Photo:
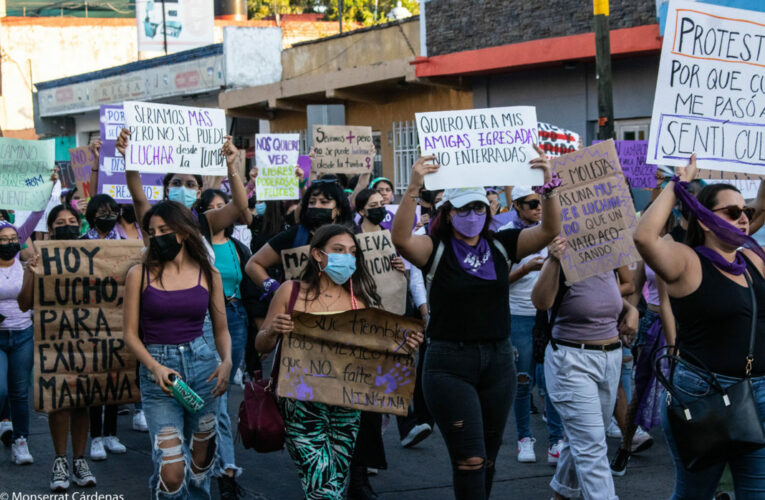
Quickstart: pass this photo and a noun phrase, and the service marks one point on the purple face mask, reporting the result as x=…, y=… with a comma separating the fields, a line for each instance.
x=470, y=225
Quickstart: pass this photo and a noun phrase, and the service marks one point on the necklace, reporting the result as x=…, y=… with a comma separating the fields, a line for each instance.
x=7, y=271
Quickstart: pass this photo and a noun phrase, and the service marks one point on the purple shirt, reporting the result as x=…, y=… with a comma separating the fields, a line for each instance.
x=590, y=310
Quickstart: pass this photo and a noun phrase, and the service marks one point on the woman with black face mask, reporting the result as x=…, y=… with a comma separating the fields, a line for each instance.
x=63, y=224
x=127, y=225
x=324, y=202
x=102, y=215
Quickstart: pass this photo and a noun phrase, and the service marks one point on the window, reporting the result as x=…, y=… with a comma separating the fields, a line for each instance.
x=632, y=130
x=405, y=153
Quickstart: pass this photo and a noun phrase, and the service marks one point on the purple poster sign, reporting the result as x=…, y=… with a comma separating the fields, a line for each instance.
x=111, y=175
x=632, y=156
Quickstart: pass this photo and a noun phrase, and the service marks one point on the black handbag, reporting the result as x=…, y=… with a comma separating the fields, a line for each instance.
x=720, y=425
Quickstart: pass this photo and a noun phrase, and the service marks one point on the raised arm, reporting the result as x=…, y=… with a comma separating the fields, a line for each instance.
x=133, y=179
x=415, y=248
x=360, y=186
x=669, y=259
x=546, y=288
x=223, y=217
x=535, y=238
x=95, y=148
x=256, y=267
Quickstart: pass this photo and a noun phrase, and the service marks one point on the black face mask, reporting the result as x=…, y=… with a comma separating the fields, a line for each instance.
x=9, y=250
x=128, y=213
x=376, y=215
x=317, y=217
x=66, y=232
x=105, y=224
x=164, y=247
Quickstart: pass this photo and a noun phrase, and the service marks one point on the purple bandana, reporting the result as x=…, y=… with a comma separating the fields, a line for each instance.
x=725, y=232
x=477, y=261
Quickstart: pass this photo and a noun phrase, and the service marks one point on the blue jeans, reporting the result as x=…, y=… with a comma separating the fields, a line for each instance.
x=236, y=317
x=16, y=362
x=523, y=348
x=626, y=376
x=554, y=424
x=748, y=470
x=174, y=431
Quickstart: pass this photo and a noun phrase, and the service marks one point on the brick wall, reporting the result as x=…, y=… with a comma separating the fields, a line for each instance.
x=457, y=25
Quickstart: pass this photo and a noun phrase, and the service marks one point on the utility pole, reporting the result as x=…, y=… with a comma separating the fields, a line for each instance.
x=340, y=13
x=164, y=27
x=603, y=70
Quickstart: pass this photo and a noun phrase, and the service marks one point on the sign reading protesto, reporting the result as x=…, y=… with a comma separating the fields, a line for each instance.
x=180, y=139
x=82, y=162
x=710, y=93
x=597, y=213
x=480, y=147
x=276, y=156
x=342, y=149
x=379, y=252
x=25, y=171
x=80, y=355
x=356, y=359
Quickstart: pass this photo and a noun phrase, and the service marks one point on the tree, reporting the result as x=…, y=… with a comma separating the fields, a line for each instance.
x=366, y=12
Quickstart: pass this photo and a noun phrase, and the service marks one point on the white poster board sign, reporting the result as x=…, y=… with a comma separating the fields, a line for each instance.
x=276, y=156
x=480, y=147
x=710, y=93
x=180, y=139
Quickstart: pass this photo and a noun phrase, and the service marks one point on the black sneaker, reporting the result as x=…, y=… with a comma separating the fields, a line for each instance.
x=82, y=474
x=229, y=489
x=619, y=462
x=59, y=476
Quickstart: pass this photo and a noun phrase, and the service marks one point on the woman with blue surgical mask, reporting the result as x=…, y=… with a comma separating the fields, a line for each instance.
x=320, y=438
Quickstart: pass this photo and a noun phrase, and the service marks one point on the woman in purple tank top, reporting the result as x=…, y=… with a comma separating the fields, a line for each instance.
x=166, y=299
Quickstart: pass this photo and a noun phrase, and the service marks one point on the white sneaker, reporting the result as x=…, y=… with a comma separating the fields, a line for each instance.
x=526, y=453
x=641, y=441
x=97, y=451
x=20, y=452
x=139, y=421
x=238, y=376
x=553, y=452
x=113, y=445
x=613, y=430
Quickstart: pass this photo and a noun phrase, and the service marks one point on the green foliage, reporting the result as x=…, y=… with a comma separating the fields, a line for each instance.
x=354, y=11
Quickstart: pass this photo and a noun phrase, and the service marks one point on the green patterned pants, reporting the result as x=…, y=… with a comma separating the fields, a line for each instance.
x=320, y=439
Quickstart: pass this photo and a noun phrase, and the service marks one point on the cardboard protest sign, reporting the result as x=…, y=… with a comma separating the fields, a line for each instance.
x=342, y=149
x=706, y=174
x=710, y=93
x=111, y=164
x=166, y=138
x=82, y=161
x=632, y=154
x=80, y=356
x=597, y=213
x=42, y=226
x=294, y=261
x=276, y=156
x=480, y=147
x=356, y=359
x=556, y=141
x=25, y=171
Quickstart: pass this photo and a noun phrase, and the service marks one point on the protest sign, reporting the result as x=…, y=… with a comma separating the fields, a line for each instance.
x=82, y=161
x=181, y=139
x=356, y=359
x=747, y=187
x=710, y=93
x=276, y=156
x=342, y=149
x=632, y=156
x=597, y=214
x=25, y=171
x=480, y=147
x=81, y=358
x=556, y=141
x=111, y=164
x=379, y=252
x=42, y=226
x=706, y=174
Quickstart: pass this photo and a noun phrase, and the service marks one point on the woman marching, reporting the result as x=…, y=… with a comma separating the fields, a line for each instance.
x=166, y=299
x=469, y=373
x=320, y=438
x=708, y=281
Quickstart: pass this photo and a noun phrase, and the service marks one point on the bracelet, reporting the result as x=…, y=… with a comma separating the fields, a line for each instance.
x=548, y=195
x=549, y=186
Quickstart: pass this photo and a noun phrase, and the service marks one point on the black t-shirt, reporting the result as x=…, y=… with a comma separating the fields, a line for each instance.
x=465, y=308
x=285, y=240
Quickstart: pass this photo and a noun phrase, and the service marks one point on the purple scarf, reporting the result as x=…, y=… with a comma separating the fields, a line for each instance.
x=725, y=232
x=477, y=261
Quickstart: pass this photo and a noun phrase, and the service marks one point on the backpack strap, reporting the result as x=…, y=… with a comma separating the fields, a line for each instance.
x=501, y=248
x=432, y=271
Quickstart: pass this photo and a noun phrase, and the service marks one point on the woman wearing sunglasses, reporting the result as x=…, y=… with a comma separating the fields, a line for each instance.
x=707, y=285
x=469, y=372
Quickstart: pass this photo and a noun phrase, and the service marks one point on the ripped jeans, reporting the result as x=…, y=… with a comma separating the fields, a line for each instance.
x=184, y=443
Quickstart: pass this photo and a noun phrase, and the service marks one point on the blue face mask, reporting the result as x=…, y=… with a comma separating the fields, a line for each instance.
x=260, y=208
x=340, y=266
x=182, y=195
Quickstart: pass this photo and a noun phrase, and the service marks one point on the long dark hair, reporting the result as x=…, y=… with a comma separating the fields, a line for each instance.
x=202, y=205
x=708, y=198
x=363, y=284
x=362, y=198
x=332, y=191
x=441, y=226
x=168, y=177
x=97, y=202
x=55, y=211
x=180, y=219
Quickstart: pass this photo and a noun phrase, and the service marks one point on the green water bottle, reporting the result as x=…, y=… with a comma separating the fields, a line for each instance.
x=184, y=395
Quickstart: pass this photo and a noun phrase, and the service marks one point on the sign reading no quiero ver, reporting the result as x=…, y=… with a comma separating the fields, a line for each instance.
x=480, y=147
x=710, y=93
x=179, y=139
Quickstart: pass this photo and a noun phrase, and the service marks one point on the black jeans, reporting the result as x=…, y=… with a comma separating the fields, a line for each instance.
x=109, y=427
x=418, y=410
x=469, y=388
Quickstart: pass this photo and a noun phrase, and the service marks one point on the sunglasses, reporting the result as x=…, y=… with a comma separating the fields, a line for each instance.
x=734, y=213
x=478, y=208
x=532, y=204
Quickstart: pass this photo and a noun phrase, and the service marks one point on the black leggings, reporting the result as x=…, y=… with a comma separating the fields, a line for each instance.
x=109, y=427
x=469, y=389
